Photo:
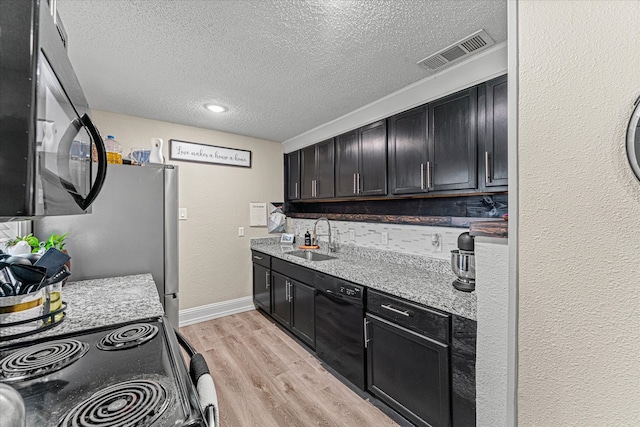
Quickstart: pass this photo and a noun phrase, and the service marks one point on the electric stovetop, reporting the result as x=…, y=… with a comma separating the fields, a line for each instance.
x=131, y=374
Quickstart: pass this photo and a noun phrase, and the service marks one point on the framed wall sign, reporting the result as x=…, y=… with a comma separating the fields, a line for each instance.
x=203, y=153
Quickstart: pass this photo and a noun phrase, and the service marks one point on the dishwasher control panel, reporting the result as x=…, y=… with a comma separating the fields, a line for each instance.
x=349, y=290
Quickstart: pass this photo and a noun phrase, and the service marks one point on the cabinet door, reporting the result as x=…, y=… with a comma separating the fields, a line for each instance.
x=303, y=312
x=372, y=178
x=262, y=287
x=324, y=169
x=409, y=372
x=281, y=305
x=453, y=142
x=408, y=151
x=317, y=170
x=292, y=171
x=346, y=163
x=495, y=136
x=307, y=171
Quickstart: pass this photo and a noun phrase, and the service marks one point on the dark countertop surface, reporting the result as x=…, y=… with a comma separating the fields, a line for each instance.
x=419, y=279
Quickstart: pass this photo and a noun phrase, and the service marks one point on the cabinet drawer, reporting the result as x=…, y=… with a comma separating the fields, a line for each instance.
x=260, y=258
x=409, y=315
x=293, y=271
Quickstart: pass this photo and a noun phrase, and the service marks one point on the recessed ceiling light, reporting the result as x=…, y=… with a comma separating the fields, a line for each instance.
x=215, y=108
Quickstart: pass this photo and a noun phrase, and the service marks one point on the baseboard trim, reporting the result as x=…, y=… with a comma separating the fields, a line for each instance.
x=189, y=316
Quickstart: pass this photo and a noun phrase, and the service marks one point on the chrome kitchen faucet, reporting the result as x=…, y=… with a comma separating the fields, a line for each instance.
x=332, y=247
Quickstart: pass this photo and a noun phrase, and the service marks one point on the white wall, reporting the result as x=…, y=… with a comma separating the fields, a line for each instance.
x=492, y=350
x=579, y=339
x=215, y=264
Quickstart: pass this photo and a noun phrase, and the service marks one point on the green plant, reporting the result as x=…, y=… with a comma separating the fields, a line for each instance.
x=54, y=241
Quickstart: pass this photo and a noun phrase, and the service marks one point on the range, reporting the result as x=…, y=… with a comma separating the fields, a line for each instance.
x=130, y=374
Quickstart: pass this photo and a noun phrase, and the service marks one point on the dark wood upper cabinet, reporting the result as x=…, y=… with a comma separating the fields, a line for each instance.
x=372, y=178
x=317, y=175
x=455, y=145
x=346, y=163
x=494, y=139
x=361, y=161
x=292, y=175
x=408, y=151
x=453, y=142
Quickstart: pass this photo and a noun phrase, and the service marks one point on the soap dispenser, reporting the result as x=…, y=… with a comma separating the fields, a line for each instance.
x=307, y=238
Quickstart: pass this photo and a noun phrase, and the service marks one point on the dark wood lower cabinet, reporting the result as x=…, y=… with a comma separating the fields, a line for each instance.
x=281, y=306
x=409, y=372
x=261, y=280
x=293, y=306
x=262, y=287
x=420, y=360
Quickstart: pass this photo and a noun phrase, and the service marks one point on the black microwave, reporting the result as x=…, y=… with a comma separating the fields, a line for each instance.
x=52, y=158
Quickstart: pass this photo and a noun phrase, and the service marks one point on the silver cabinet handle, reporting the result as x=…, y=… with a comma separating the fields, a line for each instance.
x=358, y=185
x=257, y=257
x=487, y=177
x=290, y=294
x=366, y=335
x=354, y=184
x=395, y=310
x=286, y=290
x=428, y=175
x=422, y=176
x=267, y=282
x=296, y=196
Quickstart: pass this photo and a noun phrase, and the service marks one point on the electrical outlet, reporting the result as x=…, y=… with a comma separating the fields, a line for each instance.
x=352, y=235
x=436, y=242
x=182, y=213
x=384, y=238
x=240, y=231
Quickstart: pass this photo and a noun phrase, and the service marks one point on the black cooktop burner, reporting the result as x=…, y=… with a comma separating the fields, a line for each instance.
x=41, y=359
x=128, y=336
x=131, y=403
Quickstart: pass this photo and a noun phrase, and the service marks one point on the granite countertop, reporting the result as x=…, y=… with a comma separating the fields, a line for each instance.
x=102, y=302
x=419, y=279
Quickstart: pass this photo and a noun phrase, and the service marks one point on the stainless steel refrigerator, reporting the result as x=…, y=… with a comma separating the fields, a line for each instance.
x=132, y=229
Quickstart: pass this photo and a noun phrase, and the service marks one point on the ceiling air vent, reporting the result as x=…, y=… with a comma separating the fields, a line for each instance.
x=476, y=42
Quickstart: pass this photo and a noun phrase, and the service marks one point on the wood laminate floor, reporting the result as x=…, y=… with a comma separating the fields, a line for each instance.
x=264, y=378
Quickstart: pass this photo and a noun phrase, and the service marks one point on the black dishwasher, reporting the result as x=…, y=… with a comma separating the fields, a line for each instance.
x=340, y=327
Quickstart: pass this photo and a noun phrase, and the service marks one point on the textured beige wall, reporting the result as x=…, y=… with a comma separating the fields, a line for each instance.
x=579, y=323
x=215, y=264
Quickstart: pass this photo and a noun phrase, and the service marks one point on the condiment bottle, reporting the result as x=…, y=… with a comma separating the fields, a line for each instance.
x=114, y=150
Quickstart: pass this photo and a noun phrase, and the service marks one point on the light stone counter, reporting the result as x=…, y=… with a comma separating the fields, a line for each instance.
x=420, y=279
x=103, y=302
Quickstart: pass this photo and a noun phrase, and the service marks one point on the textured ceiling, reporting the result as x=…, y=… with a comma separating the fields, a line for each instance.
x=282, y=67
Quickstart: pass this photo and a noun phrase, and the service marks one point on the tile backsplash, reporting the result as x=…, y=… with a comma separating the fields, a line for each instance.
x=432, y=242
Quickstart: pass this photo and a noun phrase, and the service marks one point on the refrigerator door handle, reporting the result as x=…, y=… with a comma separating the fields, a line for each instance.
x=171, y=276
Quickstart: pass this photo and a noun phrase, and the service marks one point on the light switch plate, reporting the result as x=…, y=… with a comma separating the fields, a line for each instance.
x=384, y=238
x=352, y=234
x=240, y=231
x=182, y=213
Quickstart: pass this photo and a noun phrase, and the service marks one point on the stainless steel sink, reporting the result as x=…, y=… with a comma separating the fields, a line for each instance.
x=311, y=255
